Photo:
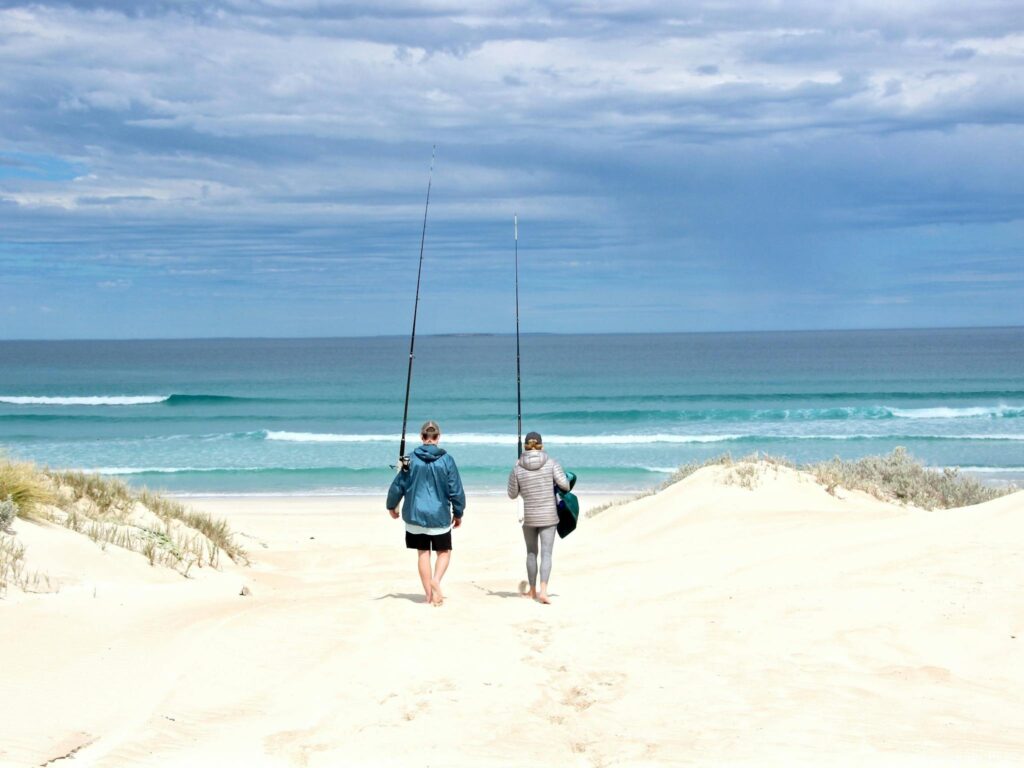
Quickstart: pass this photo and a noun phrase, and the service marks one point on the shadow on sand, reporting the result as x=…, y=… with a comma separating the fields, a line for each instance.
x=504, y=593
x=412, y=598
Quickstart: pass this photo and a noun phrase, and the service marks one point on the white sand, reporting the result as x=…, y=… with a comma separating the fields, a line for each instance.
x=708, y=625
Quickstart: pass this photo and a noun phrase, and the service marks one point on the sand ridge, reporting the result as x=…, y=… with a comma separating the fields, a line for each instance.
x=709, y=624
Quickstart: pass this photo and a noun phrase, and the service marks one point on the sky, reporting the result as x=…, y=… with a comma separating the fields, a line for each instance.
x=259, y=167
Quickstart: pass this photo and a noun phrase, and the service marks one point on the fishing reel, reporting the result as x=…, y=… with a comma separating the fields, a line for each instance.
x=403, y=459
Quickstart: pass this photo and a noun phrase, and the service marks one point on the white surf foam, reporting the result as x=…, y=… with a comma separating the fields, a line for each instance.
x=470, y=438
x=85, y=400
x=995, y=411
x=164, y=470
x=863, y=436
x=317, y=493
x=495, y=439
x=327, y=437
x=983, y=437
x=992, y=470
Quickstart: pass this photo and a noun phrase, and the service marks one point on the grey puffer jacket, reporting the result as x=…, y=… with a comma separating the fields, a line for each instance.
x=534, y=477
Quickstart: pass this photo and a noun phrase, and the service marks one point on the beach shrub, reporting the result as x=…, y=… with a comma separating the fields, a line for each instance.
x=8, y=511
x=895, y=476
x=22, y=483
x=899, y=476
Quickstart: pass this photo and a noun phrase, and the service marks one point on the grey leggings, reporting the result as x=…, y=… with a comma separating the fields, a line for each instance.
x=547, y=543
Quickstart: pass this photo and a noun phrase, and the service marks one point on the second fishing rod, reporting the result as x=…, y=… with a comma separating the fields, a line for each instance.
x=519, y=378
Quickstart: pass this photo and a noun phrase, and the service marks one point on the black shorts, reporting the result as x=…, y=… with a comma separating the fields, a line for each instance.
x=441, y=542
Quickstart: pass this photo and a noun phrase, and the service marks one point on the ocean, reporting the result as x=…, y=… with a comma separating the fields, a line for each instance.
x=323, y=416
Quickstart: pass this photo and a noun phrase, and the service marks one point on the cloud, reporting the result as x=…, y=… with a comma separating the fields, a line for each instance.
x=284, y=145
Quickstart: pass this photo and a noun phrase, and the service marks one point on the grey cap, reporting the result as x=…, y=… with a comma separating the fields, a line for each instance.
x=534, y=437
x=430, y=429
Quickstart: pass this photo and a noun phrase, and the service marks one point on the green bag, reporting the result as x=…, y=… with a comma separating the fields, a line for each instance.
x=568, y=508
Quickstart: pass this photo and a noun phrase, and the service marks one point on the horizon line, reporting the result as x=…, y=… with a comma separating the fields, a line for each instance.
x=529, y=333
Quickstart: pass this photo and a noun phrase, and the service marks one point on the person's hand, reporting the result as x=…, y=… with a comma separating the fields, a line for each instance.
x=393, y=513
x=457, y=522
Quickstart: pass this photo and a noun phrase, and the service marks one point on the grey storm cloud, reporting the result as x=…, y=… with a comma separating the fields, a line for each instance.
x=234, y=130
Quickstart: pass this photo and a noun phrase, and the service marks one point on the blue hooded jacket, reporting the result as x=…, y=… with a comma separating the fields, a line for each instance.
x=432, y=489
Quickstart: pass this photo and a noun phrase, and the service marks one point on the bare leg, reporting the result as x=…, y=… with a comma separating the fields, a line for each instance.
x=439, y=568
x=543, y=595
x=423, y=566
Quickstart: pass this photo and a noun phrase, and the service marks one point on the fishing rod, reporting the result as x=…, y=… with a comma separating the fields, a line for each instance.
x=519, y=390
x=403, y=460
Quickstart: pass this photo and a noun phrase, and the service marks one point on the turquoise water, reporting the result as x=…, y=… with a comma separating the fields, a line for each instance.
x=257, y=416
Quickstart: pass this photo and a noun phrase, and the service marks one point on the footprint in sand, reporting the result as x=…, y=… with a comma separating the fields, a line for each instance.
x=578, y=698
x=538, y=634
x=600, y=687
x=434, y=686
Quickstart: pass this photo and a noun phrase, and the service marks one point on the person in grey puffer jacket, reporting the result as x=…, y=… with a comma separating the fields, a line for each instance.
x=534, y=477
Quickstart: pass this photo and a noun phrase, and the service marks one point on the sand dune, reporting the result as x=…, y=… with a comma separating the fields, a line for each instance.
x=709, y=624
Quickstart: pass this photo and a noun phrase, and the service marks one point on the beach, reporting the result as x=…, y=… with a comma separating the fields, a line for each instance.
x=748, y=273
x=740, y=619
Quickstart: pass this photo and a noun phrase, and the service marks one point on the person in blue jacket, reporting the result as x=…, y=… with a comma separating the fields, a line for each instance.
x=434, y=503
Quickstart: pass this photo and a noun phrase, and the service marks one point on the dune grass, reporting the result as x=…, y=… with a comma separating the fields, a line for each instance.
x=896, y=476
x=217, y=531
x=12, y=561
x=23, y=484
x=110, y=496
x=111, y=514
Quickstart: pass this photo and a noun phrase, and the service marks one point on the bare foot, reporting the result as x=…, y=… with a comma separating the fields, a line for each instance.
x=436, y=596
x=543, y=598
x=525, y=591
